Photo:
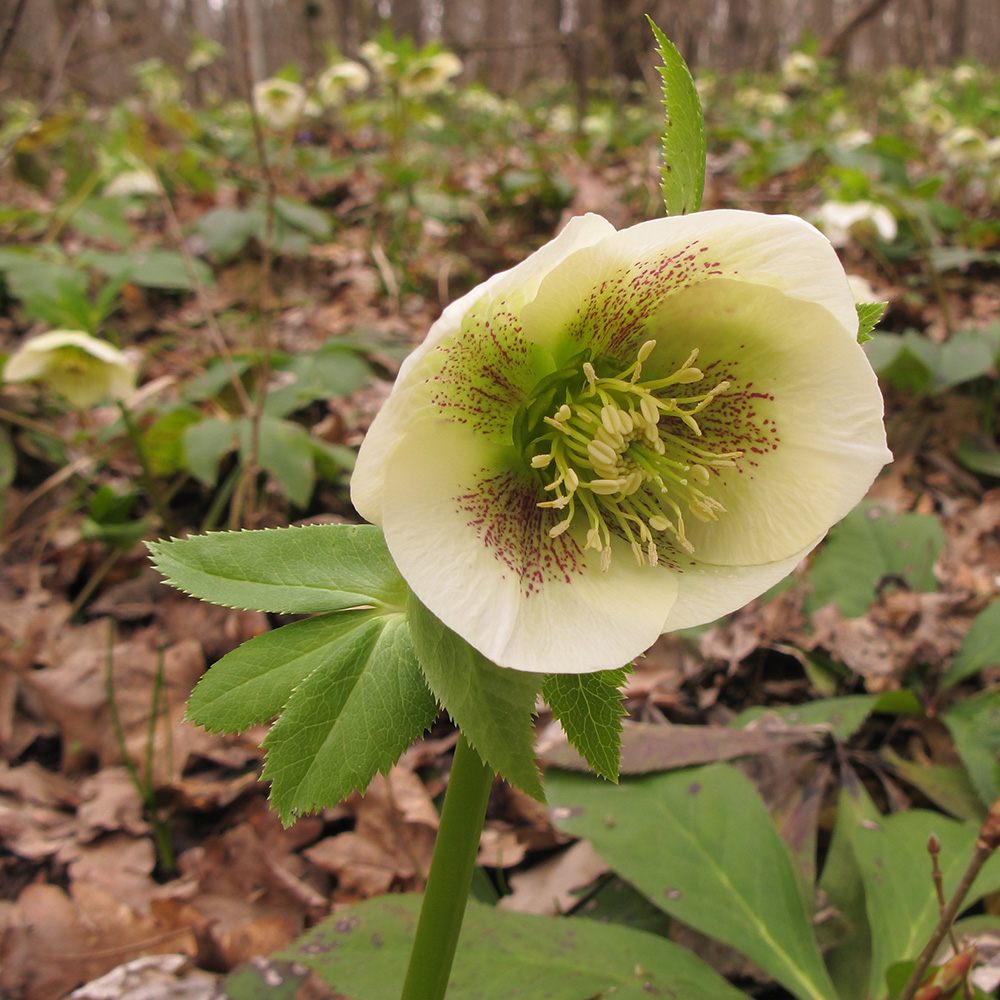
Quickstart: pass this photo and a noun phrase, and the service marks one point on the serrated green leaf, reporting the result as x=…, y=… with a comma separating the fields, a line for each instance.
x=351, y=717
x=28, y=275
x=589, y=707
x=363, y=952
x=8, y=462
x=869, y=314
x=163, y=442
x=846, y=938
x=104, y=219
x=285, y=451
x=227, y=231
x=700, y=845
x=150, y=268
x=683, y=171
x=979, y=454
x=203, y=445
x=310, y=220
x=980, y=647
x=492, y=706
x=301, y=570
x=843, y=716
x=870, y=545
x=949, y=788
x=974, y=725
x=252, y=683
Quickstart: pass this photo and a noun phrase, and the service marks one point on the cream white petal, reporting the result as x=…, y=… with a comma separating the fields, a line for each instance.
x=463, y=528
x=45, y=344
x=706, y=592
x=608, y=291
x=520, y=284
x=803, y=406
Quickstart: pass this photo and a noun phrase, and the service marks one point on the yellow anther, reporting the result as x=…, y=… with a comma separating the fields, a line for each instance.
x=617, y=468
x=602, y=453
x=604, y=487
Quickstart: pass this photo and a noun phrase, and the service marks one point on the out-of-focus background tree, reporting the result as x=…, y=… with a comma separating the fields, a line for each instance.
x=504, y=43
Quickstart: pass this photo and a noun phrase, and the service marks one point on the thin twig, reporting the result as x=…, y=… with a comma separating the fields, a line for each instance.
x=55, y=78
x=8, y=35
x=245, y=487
x=934, y=850
x=986, y=844
x=201, y=296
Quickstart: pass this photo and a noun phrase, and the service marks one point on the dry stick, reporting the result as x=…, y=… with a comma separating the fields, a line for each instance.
x=834, y=46
x=986, y=844
x=934, y=850
x=8, y=35
x=208, y=315
x=52, y=90
x=244, y=489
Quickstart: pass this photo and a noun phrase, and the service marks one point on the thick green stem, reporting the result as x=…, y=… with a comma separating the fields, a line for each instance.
x=450, y=876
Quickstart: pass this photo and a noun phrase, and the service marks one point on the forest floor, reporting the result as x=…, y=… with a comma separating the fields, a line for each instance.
x=128, y=831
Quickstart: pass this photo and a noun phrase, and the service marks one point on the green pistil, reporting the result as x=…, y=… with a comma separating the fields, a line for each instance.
x=608, y=454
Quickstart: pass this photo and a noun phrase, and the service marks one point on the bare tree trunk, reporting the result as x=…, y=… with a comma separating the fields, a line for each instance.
x=406, y=19
x=958, y=43
x=625, y=35
x=836, y=45
x=11, y=30
x=737, y=35
x=255, y=41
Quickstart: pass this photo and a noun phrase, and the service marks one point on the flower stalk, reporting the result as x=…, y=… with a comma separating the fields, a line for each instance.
x=450, y=876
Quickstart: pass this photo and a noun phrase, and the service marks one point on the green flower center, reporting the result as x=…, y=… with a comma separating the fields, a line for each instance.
x=611, y=449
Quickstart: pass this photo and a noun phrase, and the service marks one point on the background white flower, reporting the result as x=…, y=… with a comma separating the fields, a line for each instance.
x=799, y=69
x=429, y=74
x=334, y=83
x=279, y=102
x=838, y=218
x=79, y=367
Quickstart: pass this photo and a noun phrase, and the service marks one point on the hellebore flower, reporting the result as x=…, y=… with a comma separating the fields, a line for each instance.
x=628, y=433
x=382, y=62
x=338, y=78
x=429, y=74
x=279, y=102
x=799, y=69
x=838, y=218
x=79, y=367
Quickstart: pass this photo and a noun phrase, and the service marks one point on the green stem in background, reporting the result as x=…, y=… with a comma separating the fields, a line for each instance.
x=145, y=787
x=149, y=481
x=450, y=877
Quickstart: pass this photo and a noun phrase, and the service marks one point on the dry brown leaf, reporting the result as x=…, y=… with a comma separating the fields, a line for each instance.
x=109, y=801
x=34, y=832
x=55, y=942
x=153, y=977
x=71, y=689
x=549, y=887
x=391, y=844
x=500, y=846
x=30, y=782
x=662, y=747
x=120, y=864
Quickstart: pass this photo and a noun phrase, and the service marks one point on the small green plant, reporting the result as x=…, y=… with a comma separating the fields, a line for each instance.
x=545, y=486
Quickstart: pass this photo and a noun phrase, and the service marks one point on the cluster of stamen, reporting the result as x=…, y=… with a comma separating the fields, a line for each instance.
x=608, y=452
